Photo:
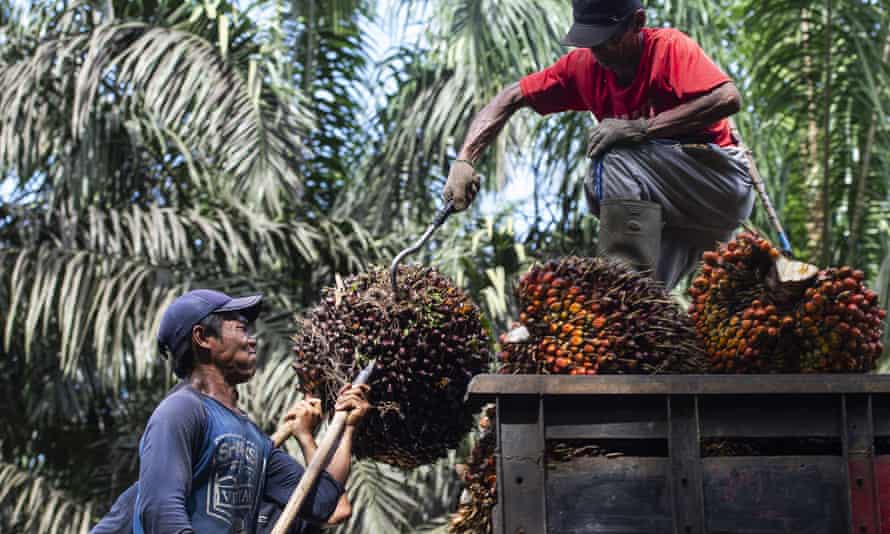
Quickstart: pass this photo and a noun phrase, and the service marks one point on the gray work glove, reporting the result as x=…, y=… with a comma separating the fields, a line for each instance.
x=462, y=185
x=613, y=131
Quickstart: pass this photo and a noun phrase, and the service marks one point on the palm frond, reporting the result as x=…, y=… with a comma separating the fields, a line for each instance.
x=29, y=503
x=224, y=109
x=385, y=499
x=101, y=284
x=477, y=49
x=181, y=81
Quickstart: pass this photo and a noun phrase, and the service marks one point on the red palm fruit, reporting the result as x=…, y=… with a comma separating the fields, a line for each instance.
x=615, y=304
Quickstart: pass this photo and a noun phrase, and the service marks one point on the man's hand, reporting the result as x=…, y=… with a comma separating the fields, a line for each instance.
x=462, y=185
x=613, y=131
x=302, y=419
x=353, y=399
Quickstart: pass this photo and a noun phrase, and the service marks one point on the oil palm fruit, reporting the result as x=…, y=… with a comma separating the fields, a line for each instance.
x=839, y=323
x=518, y=358
x=429, y=342
x=479, y=477
x=596, y=315
x=749, y=325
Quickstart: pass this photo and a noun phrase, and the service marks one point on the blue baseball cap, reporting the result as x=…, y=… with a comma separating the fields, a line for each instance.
x=186, y=311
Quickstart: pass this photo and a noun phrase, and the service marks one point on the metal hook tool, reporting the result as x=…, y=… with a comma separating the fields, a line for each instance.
x=443, y=214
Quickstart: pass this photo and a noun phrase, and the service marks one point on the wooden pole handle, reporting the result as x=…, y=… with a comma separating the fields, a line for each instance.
x=320, y=461
x=279, y=437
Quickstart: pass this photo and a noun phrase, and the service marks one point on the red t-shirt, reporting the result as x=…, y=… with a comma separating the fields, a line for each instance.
x=672, y=70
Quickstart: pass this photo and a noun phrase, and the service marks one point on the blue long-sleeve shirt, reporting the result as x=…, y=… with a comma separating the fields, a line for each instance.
x=207, y=469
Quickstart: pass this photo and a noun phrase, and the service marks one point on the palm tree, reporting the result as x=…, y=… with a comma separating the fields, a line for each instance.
x=152, y=147
x=818, y=75
x=156, y=146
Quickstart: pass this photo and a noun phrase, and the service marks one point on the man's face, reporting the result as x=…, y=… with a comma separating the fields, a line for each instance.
x=235, y=350
x=621, y=51
x=618, y=52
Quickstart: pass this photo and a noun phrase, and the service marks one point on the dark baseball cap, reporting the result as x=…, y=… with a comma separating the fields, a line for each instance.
x=596, y=21
x=186, y=311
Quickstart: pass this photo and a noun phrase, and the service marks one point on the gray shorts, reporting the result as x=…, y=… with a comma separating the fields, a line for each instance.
x=704, y=190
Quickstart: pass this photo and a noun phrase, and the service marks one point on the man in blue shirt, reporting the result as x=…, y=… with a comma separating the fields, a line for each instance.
x=204, y=466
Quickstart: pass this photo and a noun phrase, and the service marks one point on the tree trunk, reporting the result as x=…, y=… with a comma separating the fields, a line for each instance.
x=825, y=238
x=809, y=148
x=857, y=212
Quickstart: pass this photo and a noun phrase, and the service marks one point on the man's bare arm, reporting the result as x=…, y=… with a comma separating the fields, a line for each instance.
x=696, y=115
x=489, y=122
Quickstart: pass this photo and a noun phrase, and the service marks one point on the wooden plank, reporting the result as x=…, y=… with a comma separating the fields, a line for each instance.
x=859, y=451
x=609, y=496
x=881, y=410
x=521, y=476
x=767, y=416
x=625, y=417
x=686, y=476
x=488, y=385
x=775, y=495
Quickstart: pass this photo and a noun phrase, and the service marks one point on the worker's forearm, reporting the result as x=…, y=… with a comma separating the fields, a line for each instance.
x=339, y=466
x=489, y=122
x=695, y=115
x=308, y=446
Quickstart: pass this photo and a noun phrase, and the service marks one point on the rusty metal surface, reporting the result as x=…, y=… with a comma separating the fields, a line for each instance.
x=489, y=385
x=882, y=478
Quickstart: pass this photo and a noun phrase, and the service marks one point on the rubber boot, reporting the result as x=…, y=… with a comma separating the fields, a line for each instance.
x=630, y=230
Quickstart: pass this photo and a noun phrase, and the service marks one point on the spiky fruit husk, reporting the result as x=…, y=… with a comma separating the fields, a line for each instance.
x=519, y=358
x=743, y=328
x=748, y=325
x=479, y=477
x=598, y=316
x=839, y=323
x=429, y=342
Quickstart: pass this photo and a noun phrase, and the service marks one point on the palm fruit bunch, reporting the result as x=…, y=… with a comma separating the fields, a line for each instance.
x=750, y=324
x=479, y=477
x=596, y=316
x=428, y=341
x=839, y=323
x=742, y=327
x=518, y=358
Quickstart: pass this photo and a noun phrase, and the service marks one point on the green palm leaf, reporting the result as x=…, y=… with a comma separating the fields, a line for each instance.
x=22, y=491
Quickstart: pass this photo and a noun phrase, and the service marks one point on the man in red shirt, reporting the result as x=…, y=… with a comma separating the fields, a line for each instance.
x=667, y=179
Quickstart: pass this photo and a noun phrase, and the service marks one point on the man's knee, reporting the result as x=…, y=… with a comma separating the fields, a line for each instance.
x=614, y=176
